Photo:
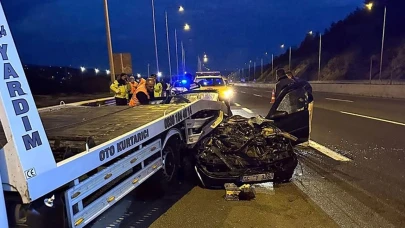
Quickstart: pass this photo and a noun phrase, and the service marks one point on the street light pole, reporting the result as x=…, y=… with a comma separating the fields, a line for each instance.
x=371, y=67
x=272, y=64
x=254, y=71
x=382, y=42
x=320, y=56
x=177, y=51
x=154, y=32
x=168, y=48
x=289, y=62
x=109, y=44
x=183, y=59
x=148, y=69
x=262, y=66
x=249, y=72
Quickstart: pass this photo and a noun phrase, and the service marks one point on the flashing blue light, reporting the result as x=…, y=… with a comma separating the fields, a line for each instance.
x=183, y=81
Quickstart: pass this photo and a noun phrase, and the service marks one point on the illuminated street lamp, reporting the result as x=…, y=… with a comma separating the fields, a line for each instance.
x=369, y=6
x=311, y=33
x=82, y=69
x=107, y=71
x=96, y=70
x=159, y=74
x=181, y=9
x=187, y=27
x=138, y=75
x=282, y=46
x=205, y=59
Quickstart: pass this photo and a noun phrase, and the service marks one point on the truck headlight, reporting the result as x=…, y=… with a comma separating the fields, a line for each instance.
x=228, y=94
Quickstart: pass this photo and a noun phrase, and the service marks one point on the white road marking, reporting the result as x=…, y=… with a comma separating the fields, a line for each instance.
x=237, y=105
x=242, y=92
x=247, y=110
x=373, y=118
x=257, y=95
x=334, y=99
x=328, y=152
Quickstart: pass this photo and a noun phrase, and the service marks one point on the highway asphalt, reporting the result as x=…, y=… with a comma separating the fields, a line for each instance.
x=369, y=131
x=367, y=191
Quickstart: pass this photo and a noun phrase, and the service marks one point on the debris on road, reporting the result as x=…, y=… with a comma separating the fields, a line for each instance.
x=235, y=193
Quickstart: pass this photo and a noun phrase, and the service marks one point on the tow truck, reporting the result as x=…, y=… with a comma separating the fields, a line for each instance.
x=63, y=166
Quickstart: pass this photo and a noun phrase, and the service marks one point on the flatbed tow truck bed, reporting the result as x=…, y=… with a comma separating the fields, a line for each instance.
x=78, y=123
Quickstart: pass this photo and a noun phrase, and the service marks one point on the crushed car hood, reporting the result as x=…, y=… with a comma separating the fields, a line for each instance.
x=242, y=146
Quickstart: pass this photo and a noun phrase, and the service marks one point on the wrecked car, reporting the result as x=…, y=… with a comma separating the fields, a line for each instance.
x=260, y=149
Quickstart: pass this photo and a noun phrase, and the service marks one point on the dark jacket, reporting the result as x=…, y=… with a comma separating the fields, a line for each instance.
x=282, y=83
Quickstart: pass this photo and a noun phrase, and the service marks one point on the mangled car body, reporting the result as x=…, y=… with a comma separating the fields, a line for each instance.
x=252, y=150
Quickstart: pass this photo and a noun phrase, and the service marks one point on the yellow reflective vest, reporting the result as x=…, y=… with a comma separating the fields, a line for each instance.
x=121, y=91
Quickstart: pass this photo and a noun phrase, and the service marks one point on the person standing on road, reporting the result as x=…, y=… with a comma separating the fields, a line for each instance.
x=308, y=88
x=120, y=89
x=141, y=95
x=282, y=81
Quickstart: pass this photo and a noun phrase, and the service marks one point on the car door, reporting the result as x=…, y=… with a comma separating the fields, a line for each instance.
x=290, y=111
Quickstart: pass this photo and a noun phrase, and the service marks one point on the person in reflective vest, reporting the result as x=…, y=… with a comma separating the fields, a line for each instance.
x=158, y=88
x=133, y=84
x=120, y=88
x=141, y=94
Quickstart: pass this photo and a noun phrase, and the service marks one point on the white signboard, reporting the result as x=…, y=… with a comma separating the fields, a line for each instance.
x=18, y=113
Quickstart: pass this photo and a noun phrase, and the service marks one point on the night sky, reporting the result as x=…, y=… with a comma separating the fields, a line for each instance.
x=72, y=32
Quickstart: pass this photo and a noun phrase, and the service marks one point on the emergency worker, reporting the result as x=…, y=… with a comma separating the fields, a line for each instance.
x=120, y=89
x=133, y=85
x=158, y=88
x=142, y=93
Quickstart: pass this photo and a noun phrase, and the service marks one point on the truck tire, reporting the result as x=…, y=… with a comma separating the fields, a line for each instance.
x=171, y=160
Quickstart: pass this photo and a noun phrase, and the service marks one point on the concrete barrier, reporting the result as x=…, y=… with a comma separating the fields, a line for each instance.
x=371, y=90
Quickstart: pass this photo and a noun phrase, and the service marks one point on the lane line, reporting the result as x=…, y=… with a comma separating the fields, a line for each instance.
x=328, y=152
x=237, y=105
x=242, y=92
x=334, y=99
x=257, y=95
x=247, y=110
x=373, y=118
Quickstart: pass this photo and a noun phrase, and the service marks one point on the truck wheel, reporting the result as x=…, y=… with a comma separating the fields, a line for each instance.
x=17, y=214
x=170, y=163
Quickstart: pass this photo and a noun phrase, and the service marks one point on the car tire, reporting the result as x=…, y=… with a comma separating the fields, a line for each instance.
x=285, y=175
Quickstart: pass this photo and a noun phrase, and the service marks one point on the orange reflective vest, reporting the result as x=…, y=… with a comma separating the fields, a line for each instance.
x=140, y=89
x=133, y=85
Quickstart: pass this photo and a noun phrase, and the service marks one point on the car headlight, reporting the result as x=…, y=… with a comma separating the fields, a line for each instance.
x=228, y=94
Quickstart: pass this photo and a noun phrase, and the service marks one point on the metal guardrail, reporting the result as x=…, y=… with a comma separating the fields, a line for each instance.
x=362, y=82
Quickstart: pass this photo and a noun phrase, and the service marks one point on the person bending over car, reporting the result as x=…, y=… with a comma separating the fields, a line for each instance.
x=142, y=92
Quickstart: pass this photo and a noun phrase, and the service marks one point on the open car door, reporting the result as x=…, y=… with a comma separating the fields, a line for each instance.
x=290, y=111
